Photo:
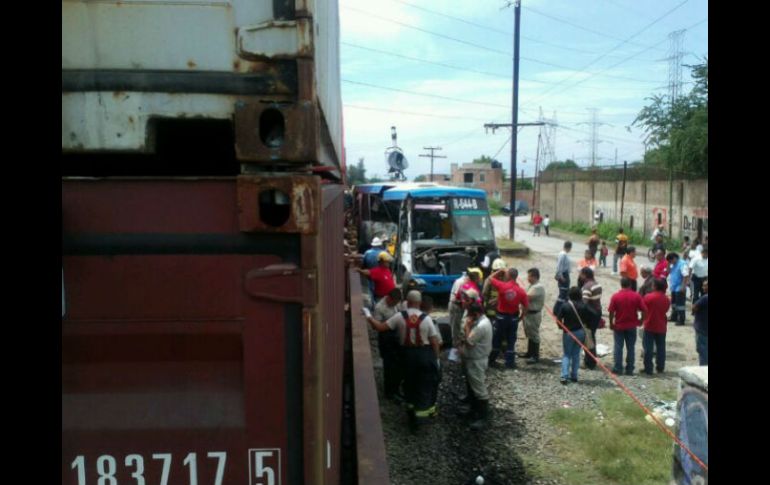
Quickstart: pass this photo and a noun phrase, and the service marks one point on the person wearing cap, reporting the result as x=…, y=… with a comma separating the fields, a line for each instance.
x=474, y=353
x=419, y=356
x=380, y=275
x=371, y=255
x=512, y=303
x=474, y=279
x=388, y=343
x=536, y=298
x=489, y=292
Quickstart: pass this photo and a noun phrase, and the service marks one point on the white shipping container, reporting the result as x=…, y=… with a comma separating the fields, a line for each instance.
x=127, y=62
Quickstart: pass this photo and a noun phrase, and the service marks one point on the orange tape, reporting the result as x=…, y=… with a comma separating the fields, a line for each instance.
x=627, y=391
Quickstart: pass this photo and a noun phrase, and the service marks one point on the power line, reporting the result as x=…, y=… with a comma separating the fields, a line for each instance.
x=577, y=26
x=495, y=30
x=629, y=58
x=446, y=98
x=411, y=113
x=622, y=61
x=501, y=147
x=458, y=68
x=478, y=46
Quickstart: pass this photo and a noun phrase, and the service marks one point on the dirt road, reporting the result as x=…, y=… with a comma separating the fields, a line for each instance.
x=520, y=443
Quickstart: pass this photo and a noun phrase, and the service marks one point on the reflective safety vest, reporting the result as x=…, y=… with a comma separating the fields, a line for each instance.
x=413, y=324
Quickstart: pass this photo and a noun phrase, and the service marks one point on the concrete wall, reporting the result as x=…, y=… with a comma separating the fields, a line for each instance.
x=646, y=204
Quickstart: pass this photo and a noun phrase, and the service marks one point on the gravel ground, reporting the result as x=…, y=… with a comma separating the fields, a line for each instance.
x=446, y=451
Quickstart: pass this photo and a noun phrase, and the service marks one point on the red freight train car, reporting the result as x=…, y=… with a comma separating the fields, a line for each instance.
x=202, y=340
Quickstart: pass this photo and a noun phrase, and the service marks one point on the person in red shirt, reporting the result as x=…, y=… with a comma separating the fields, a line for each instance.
x=623, y=309
x=654, y=340
x=380, y=275
x=661, y=267
x=537, y=221
x=512, y=302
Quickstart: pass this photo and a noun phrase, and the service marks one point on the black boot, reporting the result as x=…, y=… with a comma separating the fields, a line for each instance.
x=535, y=358
x=468, y=395
x=529, y=354
x=482, y=413
x=466, y=409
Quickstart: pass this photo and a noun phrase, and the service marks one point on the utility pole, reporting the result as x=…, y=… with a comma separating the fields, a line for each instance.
x=514, y=114
x=623, y=194
x=431, y=156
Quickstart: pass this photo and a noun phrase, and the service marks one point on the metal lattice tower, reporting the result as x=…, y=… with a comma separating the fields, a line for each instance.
x=594, y=140
x=675, y=56
x=548, y=137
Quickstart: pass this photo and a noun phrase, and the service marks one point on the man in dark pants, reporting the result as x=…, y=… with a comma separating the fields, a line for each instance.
x=562, y=276
x=592, y=296
x=654, y=340
x=511, y=304
x=680, y=279
x=701, y=311
x=699, y=267
x=419, y=356
x=388, y=343
x=625, y=304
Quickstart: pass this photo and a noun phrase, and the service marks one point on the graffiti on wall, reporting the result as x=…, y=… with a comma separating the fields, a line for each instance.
x=659, y=216
x=690, y=222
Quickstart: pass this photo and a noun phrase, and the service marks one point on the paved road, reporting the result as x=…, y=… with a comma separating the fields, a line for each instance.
x=552, y=245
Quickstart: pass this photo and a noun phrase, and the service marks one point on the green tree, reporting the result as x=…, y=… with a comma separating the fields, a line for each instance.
x=677, y=132
x=357, y=173
x=483, y=159
x=420, y=178
x=524, y=184
x=566, y=164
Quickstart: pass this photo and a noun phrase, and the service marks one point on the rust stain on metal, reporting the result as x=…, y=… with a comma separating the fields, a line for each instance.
x=191, y=64
x=301, y=123
x=303, y=191
x=130, y=119
x=237, y=65
x=117, y=94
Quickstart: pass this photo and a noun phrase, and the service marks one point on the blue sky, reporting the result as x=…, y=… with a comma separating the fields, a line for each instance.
x=575, y=55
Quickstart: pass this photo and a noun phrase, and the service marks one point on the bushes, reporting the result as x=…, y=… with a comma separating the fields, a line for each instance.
x=608, y=230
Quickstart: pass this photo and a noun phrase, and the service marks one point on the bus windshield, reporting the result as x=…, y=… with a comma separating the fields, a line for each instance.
x=471, y=222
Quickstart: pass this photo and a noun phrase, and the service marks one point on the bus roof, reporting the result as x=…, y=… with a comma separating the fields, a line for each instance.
x=374, y=188
x=427, y=190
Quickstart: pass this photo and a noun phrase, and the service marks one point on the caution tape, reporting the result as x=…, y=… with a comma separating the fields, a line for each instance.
x=630, y=394
x=628, y=391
